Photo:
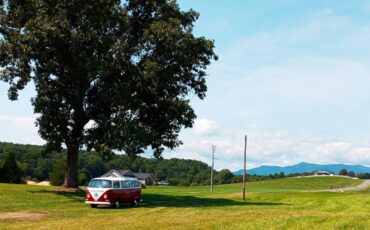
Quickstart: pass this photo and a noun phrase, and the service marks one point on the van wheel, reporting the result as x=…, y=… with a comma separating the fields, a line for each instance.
x=116, y=204
x=134, y=203
x=93, y=205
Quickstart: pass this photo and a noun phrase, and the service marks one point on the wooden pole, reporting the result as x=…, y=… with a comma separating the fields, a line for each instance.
x=245, y=166
x=213, y=160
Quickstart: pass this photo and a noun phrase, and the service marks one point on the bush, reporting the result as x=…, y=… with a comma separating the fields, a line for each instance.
x=11, y=173
x=225, y=176
x=173, y=181
x=149, y=181
x=56, y=177
x=343, y=172
x=351, y=174
x=1, y=173
x=83, y=178
x=184, y=182
x=363, y=175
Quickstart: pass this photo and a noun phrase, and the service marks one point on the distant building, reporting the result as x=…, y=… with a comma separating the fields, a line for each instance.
x=119, y=173
x=144, y=178
x=322, y=173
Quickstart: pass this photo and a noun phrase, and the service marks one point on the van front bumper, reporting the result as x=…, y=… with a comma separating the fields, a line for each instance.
x=97, y=202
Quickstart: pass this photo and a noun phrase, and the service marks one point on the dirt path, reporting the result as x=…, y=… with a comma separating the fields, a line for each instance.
x=360, y=186
x=22, y=215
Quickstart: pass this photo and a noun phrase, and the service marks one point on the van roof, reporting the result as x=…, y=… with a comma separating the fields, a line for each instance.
x=115, y=178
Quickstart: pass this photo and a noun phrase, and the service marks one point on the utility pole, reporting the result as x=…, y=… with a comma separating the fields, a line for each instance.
x=245, y=166
x=213, y=161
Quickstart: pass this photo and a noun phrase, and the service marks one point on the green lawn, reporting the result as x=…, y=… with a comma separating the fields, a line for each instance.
x=275, y=204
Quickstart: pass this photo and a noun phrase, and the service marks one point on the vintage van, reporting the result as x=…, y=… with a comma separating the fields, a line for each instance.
x=113, y=191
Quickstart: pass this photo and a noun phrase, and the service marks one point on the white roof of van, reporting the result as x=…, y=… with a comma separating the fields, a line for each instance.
x=115, y=178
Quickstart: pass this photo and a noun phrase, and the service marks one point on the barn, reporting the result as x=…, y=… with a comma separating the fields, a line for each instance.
x=119, y=173
x=322, y=173
x=144, y=178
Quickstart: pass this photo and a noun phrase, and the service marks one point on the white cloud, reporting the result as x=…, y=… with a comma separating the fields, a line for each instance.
x=203, y=126
x=19, y=129
x=23, y=123
x=268, y=147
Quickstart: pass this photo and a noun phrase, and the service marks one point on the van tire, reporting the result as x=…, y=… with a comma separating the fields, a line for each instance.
x=134, y=203
x=93, y=205
x=117, y=204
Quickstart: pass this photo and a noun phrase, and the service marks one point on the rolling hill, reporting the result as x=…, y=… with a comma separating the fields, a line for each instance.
x=305, y=167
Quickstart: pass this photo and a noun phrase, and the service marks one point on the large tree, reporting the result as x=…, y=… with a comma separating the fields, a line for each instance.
x=108, y=74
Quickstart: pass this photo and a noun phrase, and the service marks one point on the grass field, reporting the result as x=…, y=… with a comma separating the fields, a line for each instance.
x=292, y=203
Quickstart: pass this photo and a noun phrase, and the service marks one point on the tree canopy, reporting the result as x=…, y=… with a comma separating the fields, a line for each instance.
x=9, y=170
x=226, y=176
x=108, y=74
x=343, y=172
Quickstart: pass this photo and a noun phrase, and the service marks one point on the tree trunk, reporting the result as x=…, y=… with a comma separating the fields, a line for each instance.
x=70, y=178
x=73, y=143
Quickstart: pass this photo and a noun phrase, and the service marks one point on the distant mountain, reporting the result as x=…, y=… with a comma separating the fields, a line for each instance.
x=305, y=167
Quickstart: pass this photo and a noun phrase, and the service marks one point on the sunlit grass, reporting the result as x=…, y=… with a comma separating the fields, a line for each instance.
x=274, y=204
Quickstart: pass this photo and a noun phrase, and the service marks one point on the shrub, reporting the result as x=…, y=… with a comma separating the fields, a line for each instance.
x=173, y=181
x=56, y=177
x=343, y=172
x=351, y=174
x=225, y=176
x=1, y=173
x=184, y=182
x=11, y=173
x=83, y=178
x=363, y=175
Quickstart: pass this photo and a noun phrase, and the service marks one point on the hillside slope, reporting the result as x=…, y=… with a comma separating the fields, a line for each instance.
x=305, y=167
x=296, y=183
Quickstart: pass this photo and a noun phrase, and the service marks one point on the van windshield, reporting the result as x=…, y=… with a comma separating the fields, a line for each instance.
x=100, y=184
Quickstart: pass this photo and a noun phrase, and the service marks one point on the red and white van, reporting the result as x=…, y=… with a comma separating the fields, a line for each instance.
x=113, y=191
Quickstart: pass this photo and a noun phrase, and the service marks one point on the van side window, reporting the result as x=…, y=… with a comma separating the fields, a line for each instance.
x=125, y=184
x=135, y=184
x=116, y=184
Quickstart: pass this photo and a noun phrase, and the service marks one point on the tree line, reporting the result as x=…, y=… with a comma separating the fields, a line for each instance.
x=35, y=163
x=345, y=172
x=31, y=162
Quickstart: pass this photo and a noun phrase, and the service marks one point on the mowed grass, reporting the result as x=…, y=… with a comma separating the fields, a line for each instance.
x=292, y=203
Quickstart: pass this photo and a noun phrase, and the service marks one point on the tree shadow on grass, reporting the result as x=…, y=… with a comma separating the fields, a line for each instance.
x=160, y=200
x=78, y=196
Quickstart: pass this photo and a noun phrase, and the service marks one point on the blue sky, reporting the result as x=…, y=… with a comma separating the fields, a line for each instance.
x=293, y=75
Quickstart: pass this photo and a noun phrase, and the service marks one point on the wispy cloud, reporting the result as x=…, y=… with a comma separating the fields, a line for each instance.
x=203, y=127
x=19, y=122
x=268, y=147
x=19, y=129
